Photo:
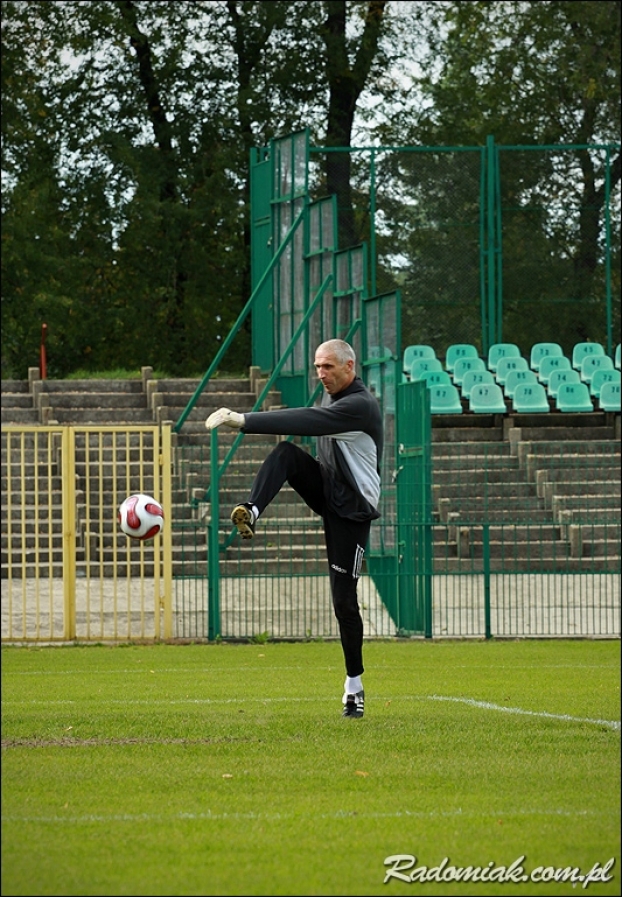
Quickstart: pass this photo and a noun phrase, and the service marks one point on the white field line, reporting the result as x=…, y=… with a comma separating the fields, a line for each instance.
x=486, y=705
x=481, y=705
x=296, y=667
x=338, y=814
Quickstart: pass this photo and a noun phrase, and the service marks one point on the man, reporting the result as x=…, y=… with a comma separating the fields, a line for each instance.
x=342, y=485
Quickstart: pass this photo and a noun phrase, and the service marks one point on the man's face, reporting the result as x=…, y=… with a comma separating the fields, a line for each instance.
x=333, y=375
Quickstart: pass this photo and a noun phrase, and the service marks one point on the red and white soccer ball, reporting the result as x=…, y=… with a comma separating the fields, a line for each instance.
x=141, y=517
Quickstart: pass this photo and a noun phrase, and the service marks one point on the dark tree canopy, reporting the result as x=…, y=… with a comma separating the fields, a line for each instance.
x=127, y=128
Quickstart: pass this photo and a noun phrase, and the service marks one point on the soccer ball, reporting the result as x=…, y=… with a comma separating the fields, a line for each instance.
x=141, y=517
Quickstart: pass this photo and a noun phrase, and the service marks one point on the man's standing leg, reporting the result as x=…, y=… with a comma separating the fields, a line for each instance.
x=345, y=544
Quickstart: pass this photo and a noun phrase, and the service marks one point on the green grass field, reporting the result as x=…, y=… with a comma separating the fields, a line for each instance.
x=227, y=769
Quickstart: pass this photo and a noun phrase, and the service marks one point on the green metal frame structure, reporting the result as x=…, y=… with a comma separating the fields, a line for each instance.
x=305, y=289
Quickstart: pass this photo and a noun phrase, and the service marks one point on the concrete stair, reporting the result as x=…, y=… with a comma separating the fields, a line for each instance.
x=33, y=496
x=17, y=403
x=544, y=490
x=549, y=495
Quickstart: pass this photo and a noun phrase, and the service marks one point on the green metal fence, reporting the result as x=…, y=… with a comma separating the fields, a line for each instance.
x=500, y=538
x=476, y=541
x=440, y=245
x=487, y=243
x=435, y=225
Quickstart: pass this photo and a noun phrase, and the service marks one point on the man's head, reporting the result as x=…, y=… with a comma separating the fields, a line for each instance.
x=334, y=364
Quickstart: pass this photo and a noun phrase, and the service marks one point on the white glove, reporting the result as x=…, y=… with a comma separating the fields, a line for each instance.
x=225, y=416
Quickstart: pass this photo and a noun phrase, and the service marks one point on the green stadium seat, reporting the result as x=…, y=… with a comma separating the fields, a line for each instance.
x=435, y=378
x=573, y=397
x=413, y=352
x=540, y=351
x=421, y=365
x=609, y=398
x=501, y=350
x=374, y=381
x=515, y=377
x=509, y=363
x=601, y=377
x=445, y=399
x=593, y=363
x=471, y=378
x=487, y=398
x=581, y=350
x=558, y=377
x=552, y=363
x=530, y=398
x=463, y=365
x=459, y=350
x=617, y=361
x=382, y=385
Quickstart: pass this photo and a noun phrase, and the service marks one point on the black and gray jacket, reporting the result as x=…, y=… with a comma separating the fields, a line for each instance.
x=349, y=445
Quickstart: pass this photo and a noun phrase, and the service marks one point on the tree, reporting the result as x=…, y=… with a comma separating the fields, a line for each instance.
x=123, y=103
x=348, y=66
x=127, y=128
x=163, y=102
x=537, y=74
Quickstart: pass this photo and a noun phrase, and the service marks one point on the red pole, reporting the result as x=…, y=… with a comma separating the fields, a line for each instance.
x=43, y=367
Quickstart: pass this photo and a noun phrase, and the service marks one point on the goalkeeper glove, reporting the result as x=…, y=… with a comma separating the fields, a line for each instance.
x=225, y=416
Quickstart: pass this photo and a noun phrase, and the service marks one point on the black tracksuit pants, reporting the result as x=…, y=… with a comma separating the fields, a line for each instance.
x=346, y=540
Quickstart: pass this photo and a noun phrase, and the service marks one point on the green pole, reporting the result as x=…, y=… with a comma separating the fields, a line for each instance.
x=213, y=560
x=486, y=549
x=610, y=348
x=497, y=249
x=493, y=325
x=241, y=317
x=372, y=226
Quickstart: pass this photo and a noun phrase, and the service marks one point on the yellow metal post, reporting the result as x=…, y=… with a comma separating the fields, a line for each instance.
x=68, y=447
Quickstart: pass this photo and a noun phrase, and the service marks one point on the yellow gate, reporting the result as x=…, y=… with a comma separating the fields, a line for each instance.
x=68, y=572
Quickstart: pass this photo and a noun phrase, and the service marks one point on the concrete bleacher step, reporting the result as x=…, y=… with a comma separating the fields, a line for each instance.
x=591, y=505
x=507, y=515
x=559, y=427
x=16, y=403
x=478, y=477
x=26, y=495
x=170, y=399
x=566, y=452
x=448, y=428
x=480, y=449
x=237, y=401
x=557, y=472
x=492, y=493
x=296, y=566
x=469, y=546
x=604, y=516
x=95, y=401
x=28, y=471
x=76, y=415
x=16, y=400
x=554, y=544
x=107, y=485
x=501, y=459
x=16, y=415
x=593, y=489
x=535, y=564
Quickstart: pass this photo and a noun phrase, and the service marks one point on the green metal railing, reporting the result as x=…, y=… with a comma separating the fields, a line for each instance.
x=523, y=564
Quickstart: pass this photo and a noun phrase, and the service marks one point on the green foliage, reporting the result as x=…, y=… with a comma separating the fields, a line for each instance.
x=227, y=769
x=126, y=196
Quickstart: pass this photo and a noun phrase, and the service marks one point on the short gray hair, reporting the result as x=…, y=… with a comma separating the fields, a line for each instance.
x=340, y=349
